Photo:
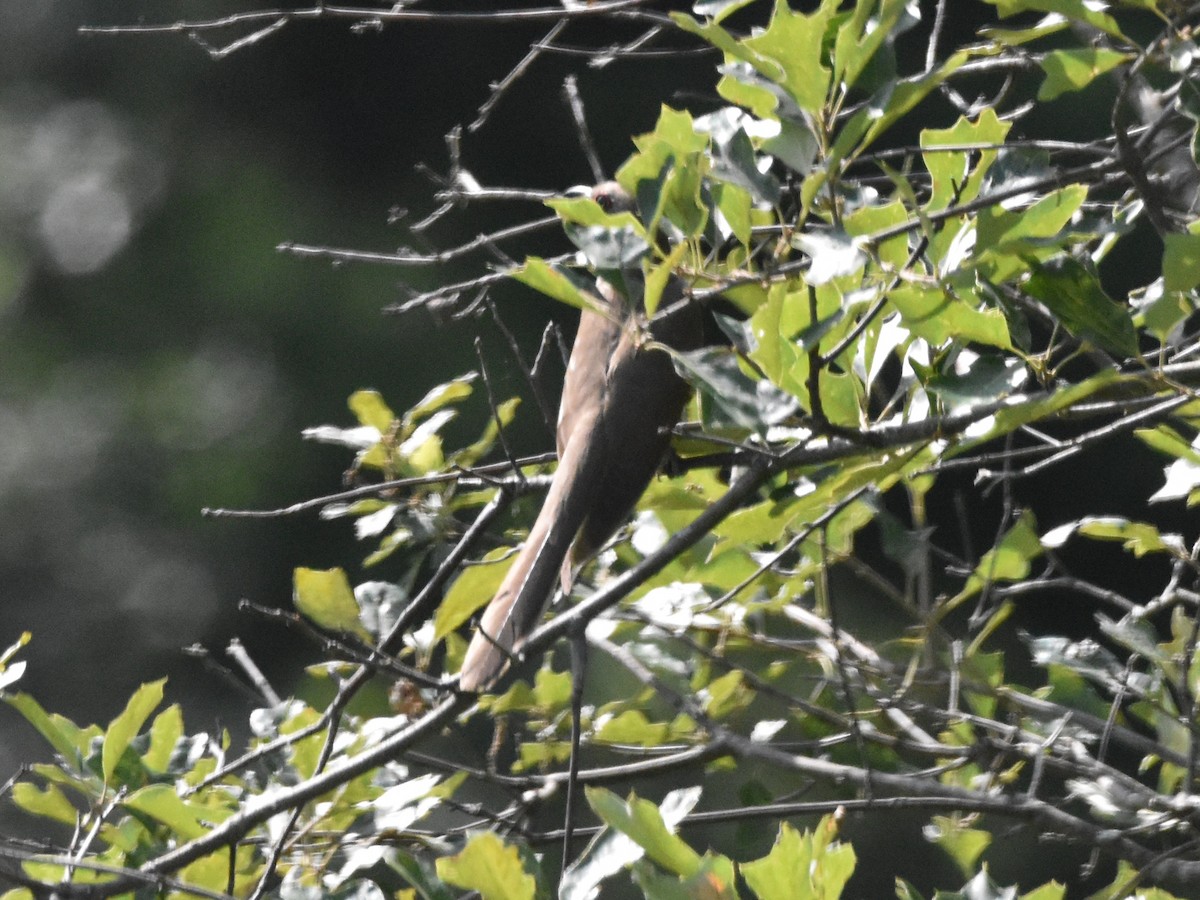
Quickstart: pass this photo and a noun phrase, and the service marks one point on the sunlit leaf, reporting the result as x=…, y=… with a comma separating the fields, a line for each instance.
x=473, y=587
x=489, y=866
x=1075, y=68
x=49, y=803
x=641, y=821
x=557, y=283
x=371, y=410
x=325, y=597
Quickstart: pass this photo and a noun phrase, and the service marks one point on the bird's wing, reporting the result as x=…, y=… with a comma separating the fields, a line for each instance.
x=545, y=555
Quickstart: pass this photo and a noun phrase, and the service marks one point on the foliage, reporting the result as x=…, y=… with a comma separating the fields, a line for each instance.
x=896, y=315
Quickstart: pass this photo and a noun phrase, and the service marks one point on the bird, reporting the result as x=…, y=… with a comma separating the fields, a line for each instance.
x=621, y=397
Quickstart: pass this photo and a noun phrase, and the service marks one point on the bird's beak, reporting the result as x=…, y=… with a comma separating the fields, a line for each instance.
x=576, y=191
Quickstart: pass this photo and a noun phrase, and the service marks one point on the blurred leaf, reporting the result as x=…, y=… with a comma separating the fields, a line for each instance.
x=833, y=254
x=438, y=397
x=657, y=276
x=1079, y=10
x=556, y=283
x=1074, y=295
x=14, y=648
x=964, y=845
x=162, y=803
x=475, y=585
x=1140, y=537
x=489, y=866
x=49, y=803
x=715, y=372
x=165, y=733
x=632, y=727
x=68, y=739
x=1075, y=68
x=125, y=727
x=715, y=879
x=642, y=822
x=980, y=378
x=725, y=695
x=1009, y=560
x=1181, y=261
x=610, y=851
x=370, y=410
x=325, y=597
x=808, y=866
x=937, y=315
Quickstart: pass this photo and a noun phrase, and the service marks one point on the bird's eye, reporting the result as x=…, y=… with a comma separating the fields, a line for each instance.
x=605, y=201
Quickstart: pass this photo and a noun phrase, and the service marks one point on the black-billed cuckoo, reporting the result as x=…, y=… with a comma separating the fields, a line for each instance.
x=621, y=396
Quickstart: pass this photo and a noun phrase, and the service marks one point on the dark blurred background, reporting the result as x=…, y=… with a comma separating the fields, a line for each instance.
x=158, y=355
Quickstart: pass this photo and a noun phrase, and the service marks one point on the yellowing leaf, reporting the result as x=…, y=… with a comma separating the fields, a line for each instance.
x=1076, y=68
x=368, y=407
x=489, y=866
x=124, y=728
x=473, y=587
x=325, y=597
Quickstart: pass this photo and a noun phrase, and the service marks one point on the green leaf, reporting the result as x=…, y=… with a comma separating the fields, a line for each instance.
x=1001, y=230
x=368, y=407
x=657, y=277
x=1074, y=295
x=725, y=695
x=1079, y=10
x=162, y=803
x=444, y=394
x=489, y=866
x=1139, y=537
x=674, y=138
x=952, y=174
x=890, y=105
x=1052, y=890
x=1159, y=311
x=978, y=379
x=808, y=866
x=1076, y=68
x=793, y=42
x=50, y=803
x=937, y=315
x=325, y=597
x=1181, y=261
x=863, y=34
x=787, y=53
x=474, y=586
x=964, y=845
x=1166, y=439
x=68, y=740
x=165, y=733
x=632, y=727
x=1009, y=560
x=715, y=879
x=611, y=851
x=505, y=413
x=610, y=248
x=738, y=400
x=556, y=283
x=641, y=821
x=125, y=727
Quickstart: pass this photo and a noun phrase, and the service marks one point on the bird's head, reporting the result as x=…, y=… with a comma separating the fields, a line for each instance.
x=609, y=196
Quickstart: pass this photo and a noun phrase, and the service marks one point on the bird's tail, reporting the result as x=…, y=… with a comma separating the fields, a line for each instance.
x=514, y=610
